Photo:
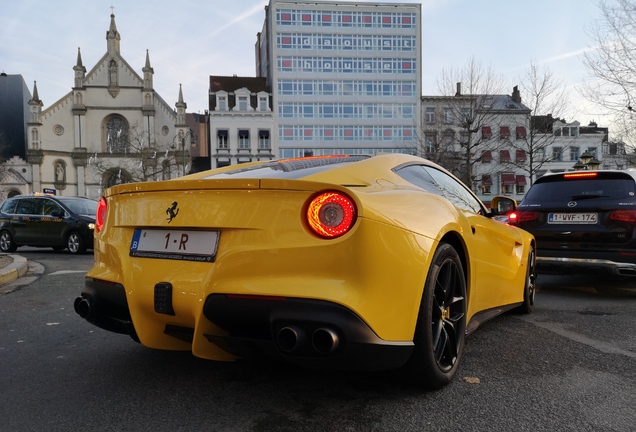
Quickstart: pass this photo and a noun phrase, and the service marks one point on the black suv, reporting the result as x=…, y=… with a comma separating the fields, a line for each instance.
x=583, y=221
x=47, y=221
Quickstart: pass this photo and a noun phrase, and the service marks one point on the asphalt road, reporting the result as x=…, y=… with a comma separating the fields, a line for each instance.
x=569, y=366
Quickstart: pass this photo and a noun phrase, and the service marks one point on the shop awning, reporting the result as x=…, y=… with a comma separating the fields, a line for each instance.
x=521, y=180
x=504, y=156
x=508, y=179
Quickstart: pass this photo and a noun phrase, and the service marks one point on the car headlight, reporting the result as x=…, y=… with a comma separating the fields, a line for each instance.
x=91, y=226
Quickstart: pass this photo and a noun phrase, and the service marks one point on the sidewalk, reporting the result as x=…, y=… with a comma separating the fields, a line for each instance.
x=11, y=268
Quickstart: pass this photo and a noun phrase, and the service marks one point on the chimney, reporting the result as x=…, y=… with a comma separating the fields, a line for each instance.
x=516, y=96
x=459, y=89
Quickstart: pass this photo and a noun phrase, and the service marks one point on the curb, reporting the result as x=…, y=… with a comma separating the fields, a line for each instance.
x=14, y=270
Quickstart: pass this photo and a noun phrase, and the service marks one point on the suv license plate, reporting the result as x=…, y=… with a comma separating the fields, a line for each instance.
x=188, y=245
x=573, y=218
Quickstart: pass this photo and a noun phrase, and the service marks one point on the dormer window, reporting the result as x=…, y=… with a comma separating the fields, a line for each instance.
x=263, y=104
x=221, y=104
x=242, y=103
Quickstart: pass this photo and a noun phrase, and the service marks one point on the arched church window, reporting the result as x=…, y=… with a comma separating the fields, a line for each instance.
x=117, y=135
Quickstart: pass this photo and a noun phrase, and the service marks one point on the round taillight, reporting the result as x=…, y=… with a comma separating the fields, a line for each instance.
x=331, y=214
x=100, y=216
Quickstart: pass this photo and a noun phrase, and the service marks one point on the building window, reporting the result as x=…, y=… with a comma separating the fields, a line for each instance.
x=508, y=183
x=430, y=115
x=222, y=103
x=262, y=103
x=486, y=184
x=465, y=115
x=463, y=138
x=221, y=139
x=557, y=153
x=521, y=184
x=242, y=103
x=244, y=138
x=504, y=156
x=574, y=153
x=486, y=132
x=430, y=141
x=486, y=156
x=520, y=156
x=448, y=115
x=263, y=140
x=540, y=154
x=504, y=132
x=521, y=132
x=117, y=135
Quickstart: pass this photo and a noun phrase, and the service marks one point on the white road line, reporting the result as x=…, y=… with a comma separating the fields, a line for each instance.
x=61, y=272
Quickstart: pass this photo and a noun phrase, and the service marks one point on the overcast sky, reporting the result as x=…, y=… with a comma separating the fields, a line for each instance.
x=190, y=40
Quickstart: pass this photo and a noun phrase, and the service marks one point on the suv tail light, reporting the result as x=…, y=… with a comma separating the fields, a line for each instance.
x=523, y=216
x=623, y=215
x=331, y=214
x=100, y=217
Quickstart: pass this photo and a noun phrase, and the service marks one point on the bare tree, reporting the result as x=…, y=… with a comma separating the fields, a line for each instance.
x=613, y=64
x=453, y=137
x=131, y=158
x=546, y=96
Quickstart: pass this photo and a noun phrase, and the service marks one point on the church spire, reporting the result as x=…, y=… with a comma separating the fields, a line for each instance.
x=36, y=97
x=148, y=73
x=113, y=37
x=181, y=110
x=80, y=70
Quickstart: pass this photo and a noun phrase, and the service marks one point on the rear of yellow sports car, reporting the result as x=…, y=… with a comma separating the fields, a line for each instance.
x=230, y=267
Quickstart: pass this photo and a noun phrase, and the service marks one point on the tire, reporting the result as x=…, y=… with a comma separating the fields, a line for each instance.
x=530, y=288
x=441, y=322
x=75, y=243
x=6, y=242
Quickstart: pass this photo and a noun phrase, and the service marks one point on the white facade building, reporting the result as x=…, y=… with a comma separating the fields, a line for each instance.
x=111, y=128
x=345, y=76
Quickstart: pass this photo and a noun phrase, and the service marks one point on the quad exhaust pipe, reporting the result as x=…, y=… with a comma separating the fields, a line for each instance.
x=292, y=339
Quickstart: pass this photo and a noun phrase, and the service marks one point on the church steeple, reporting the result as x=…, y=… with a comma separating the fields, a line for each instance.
x=34, y=125
x=113, y=37
x=80, y=70
x=148, y=73
x=181, y=110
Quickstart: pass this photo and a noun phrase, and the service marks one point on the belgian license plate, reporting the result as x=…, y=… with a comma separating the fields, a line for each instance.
x=573, y=218
x=187, y=245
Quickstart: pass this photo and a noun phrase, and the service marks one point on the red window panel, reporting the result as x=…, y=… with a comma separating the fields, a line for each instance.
x=486, y=180
x=504, y=132
x=521, y=180
x=387, y=132
x=308, y=132
x=286, y=40
x=386, y=20
x=486, y=156
x=286, y=63
x=521, y=132
x=406, y=20
x=486, y=132
x=406, y=65
x=366, y=19
x=407, y=132
x=306, y=17
x=368, y=132
x=521, y=156
x=326, y=18
x=504, y=156
x=348, y=132
x=508, y=179
x=285, y=17
x=346, y=18
x=328, y=132
x=288, y=132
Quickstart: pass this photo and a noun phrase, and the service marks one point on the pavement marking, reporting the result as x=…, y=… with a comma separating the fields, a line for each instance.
x=601, y=346
x=67, y=272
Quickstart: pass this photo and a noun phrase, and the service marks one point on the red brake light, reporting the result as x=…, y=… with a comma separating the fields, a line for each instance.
x=524, y=216
x=331, y=214
x=100, y=217
x=580, y=175
x=512, y=217
x=623, y=215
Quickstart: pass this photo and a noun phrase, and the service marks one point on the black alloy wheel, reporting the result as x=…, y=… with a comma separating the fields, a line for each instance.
x=439, y=334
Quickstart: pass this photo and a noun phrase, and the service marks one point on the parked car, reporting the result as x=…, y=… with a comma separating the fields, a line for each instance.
x=43, y=220
x=338, y=261
x=582, y=221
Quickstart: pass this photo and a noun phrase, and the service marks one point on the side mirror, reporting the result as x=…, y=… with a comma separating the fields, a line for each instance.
x=502, y=205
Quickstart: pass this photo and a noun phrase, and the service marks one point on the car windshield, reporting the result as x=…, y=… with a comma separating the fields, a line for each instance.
x=81, y=206
x=576, y=190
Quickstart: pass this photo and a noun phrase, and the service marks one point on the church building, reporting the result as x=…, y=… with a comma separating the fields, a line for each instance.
x=111, y=128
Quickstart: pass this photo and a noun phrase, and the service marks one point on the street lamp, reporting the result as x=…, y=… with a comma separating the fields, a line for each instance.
x=586, y=161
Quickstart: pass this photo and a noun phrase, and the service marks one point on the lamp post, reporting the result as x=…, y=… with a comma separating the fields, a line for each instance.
x=587, y=161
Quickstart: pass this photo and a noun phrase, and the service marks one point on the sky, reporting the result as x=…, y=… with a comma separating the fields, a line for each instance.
x=189, y=40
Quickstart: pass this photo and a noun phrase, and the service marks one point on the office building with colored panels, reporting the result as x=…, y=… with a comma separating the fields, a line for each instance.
x=345, y=77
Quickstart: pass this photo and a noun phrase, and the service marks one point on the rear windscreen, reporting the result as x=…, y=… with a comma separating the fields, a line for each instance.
x=577, y=189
